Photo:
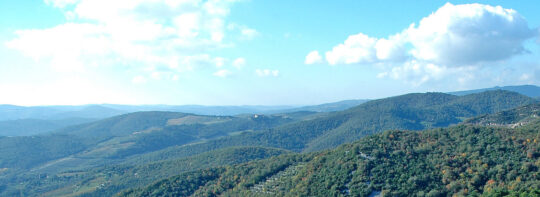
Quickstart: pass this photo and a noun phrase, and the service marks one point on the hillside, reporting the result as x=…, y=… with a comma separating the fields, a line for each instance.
x=27, y=127
x=517, y=117
x=15, y=151
x=26, y=121
x=416, y=112
x=145, y=137
x=327, y=107
x=410, y=112
x=106, y=181
x=527, y=90
x=462, y=160
x=56, y=161
x=113, y=139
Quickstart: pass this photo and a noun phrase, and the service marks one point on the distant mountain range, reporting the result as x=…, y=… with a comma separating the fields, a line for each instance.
x=24, y=121
x=527, y=90
x=100, y=111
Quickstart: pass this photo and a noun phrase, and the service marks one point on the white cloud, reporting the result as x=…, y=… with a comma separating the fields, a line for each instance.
x=187, y=24
x=358, y=48
x=361, y=49
x=468, y=34
x=245, y=32
x=222, y=73
x=313, y=57
x=417, y=72
x=138, y=80
x=525, y=77
x=267, y=73
x=175, y=77
x=530, y=76
x=156, y=75
x=173, y=35
x=60, y=3
x=219, y=61
x=249, y=33
x=239, y=63
x=391, y=49
x=455, y=36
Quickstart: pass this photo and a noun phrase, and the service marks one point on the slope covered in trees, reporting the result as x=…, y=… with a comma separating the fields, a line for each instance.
x=118, y=142
x=28, y=127
x=108, y=180
x=462, y=160
x=511, y=118
x=416, y=112
x=411, y=112
x=116, y=138
x=146, y=137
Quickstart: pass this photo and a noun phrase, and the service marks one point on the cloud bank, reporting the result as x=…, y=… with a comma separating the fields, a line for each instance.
x=454, y=38
x=165, y=35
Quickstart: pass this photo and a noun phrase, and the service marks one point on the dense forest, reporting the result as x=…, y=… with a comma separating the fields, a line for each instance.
x=462, y=160
x=108, y=180
x=510, y=118
x=130, y=134
x=410, y=112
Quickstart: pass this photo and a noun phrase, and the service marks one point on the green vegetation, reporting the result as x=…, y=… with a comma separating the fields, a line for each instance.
x=106, y=181
x=511, y=118
x=462, y=160
x=415, y=112
x=131, y=150
x=54, y=162
x=25, y=152
x=27, y=127
x=410, y=112
x=102, y=142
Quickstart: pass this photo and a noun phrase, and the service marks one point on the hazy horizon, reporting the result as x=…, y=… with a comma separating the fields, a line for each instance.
x=260, y=105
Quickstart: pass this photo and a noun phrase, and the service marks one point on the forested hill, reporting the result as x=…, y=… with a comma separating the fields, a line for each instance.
x=410, y=112
x=527, y=90
x=121, y=136
x=460, y=160
x=109, y=180
x=510, y=118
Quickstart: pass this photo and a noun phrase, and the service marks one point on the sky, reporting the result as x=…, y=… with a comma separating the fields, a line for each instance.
x=260, y=52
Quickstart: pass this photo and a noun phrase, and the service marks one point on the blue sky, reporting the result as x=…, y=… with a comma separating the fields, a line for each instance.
x=228, y=52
